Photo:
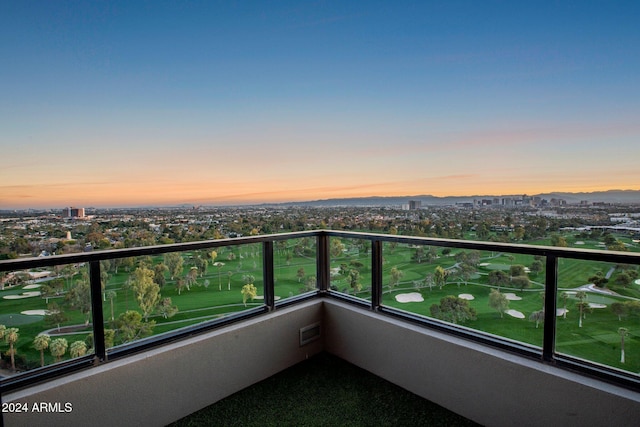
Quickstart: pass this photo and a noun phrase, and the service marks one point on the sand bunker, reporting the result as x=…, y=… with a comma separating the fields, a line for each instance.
x=468, y=297
x=24, y=295
x=410, y=297
x=261, y=297
x=637, y=282
x=31, y=287
x=483, y=264
x=579, y=242
x=596, y=305
x=512, y=297
x=515, y=313
x=35, y=312
x=561, y=311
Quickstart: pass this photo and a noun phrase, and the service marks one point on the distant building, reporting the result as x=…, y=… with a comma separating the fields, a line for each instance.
x=72, y=212
x=414, y=204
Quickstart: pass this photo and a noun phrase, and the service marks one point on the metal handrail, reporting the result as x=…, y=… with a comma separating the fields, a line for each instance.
x=551, y=254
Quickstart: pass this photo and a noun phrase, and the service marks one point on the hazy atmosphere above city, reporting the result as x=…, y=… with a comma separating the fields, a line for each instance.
x=132, y=103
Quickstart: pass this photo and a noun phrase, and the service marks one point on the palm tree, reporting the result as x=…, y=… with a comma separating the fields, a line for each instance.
x=78, y=348
x=41, y=343
x=58, y=348
x=582, y=305
x=11, y=336
x=623, y=333
x=219, y=265
x=111, y=294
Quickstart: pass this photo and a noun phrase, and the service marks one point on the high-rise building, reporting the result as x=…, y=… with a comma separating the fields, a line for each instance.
x=414, y=204
x=72, y=212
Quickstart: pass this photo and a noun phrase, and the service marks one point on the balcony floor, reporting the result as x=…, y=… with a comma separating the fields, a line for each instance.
x=324, y=390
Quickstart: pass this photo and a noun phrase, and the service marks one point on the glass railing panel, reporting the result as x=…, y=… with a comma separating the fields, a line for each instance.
x=350, y=266
x=151, y=295
x=598, y=315
x=492, y=292
x=294, y=267
x=45, y=316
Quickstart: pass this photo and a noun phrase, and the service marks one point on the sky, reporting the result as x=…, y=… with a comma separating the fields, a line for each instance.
x=137, y=103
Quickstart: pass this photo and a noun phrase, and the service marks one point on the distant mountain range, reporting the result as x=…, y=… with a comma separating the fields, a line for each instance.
x=610, y=196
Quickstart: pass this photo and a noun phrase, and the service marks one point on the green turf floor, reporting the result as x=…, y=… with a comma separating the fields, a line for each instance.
x=324, y=391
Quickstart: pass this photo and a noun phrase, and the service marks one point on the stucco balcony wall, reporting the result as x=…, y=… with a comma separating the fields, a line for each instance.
x=489, y=386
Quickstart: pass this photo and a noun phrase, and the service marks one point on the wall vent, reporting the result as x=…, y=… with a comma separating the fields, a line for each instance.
x=309, y=333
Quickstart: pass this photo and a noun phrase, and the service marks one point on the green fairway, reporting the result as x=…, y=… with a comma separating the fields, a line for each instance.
x=214, y=291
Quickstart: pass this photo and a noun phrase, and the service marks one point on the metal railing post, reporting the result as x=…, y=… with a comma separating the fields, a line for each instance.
x=323, y=263
x=267, y=275
x=97, y=315
x=376, y=274
x=550, y=292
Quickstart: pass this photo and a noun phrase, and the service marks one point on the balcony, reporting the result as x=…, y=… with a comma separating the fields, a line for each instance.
x=532, y=376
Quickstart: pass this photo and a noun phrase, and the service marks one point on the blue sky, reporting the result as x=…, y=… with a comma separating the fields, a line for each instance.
x=130, y=102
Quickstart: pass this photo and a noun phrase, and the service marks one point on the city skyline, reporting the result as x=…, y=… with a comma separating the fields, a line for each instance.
x=134, y=104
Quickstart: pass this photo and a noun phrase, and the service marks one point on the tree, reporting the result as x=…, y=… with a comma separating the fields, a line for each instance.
x=354, y=280
x=166, y=309
x=521, y=282
x=55, y=316
x=111, y=294
x=249, y=291
x=419, y=254
x=191, y=278
x=79, y=298
x=396, y=275
x=623, y=279
x=619, y=309
x=77, y=349
x=310, y=284
x=300, y=274
x=11, y=336
x=582, y=305
x=130, y=327
x=617, y=246
x=517, y=270
x=41, y=343
x=336, y=247
x=201, y=263
x=174, y=262
x=146, y=290
x=219, y=265
x=440, y=276
x=158, y=274
x=557, y=240
x=623, y=333
x=498, y=301
x=536, y=267
x=453, y=309
x=498, y=278
x=58, y=348
x=537, y=316
x=599, y=280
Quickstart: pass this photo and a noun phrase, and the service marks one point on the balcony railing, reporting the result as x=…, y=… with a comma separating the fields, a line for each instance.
x=368, y=269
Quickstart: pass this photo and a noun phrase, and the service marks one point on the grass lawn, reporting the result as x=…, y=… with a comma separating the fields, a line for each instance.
x=598, y=340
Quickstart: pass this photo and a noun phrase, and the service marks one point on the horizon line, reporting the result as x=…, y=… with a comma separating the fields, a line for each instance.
x=294, y=202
